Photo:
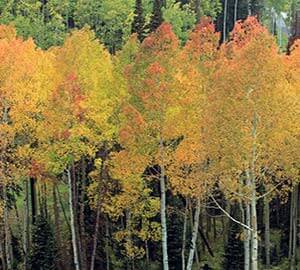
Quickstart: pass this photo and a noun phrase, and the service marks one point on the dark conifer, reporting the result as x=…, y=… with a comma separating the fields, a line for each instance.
x=157, y=16
x=43, y=251
x=138, y=24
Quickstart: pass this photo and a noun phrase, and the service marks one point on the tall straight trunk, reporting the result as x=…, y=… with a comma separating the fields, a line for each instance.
x=254, y=235
x=267, y=231
x=225, y=21
x=184, y=236
x=2, y=255
x=247, y=250
x=81, y=216
x=163, y=217
x=26, y=226
x=194, y=236
x=33, y=199
x=95, y=237
x=72, y=223
x=107, y=243
x=96, y=231
x=63, y=208
x=293, y=227
x=74, y=179
x=61, y=254
x=249, y=7
x=247, y=241
x=192, y=226
x=236, y=3
x=8, y=244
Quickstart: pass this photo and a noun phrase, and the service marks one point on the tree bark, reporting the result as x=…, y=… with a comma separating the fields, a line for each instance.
x=236, y=3
x=163, y=209
x=72, y=218
x=26, y=226
x=254, y=235
x=33, y=199
x=2, y=254
x=81, y=217
x=184, y=236
x=225, y=21
x=194, y=236
x=95, y=238
x=267, y=231
x=293, y=227
x=60, y=263
x=247, y=249
x=107, y=244
x=8, y=246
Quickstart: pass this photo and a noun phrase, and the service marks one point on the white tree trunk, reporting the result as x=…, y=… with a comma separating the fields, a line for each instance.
x=194, y=237
x=225, y=21
x=163, y=217
x=236, y=2
x=254, y=238
x=247, y=249
x=72, y=223
x=254, y=235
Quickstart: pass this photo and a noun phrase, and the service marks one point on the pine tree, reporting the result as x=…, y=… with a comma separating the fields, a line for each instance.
x=157, y=16
x=43, y=250
x=138, y=24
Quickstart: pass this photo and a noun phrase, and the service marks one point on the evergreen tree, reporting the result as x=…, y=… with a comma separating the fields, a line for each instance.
x=43, y=250
x=234, y=251
x=157, y=16
x=138, y=24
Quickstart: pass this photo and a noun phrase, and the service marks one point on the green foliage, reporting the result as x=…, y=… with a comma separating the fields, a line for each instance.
x=181, y=17
x=110, y=19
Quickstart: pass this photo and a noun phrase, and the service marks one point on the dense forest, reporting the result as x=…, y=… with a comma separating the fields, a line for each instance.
x=149, y=134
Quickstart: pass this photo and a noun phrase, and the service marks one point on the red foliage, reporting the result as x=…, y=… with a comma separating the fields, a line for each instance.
x=204, y=40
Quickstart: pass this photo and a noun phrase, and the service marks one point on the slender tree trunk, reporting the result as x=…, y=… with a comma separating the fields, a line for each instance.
x=267, y=231
x=8, y=246
x=60, y=263
x=293, y=227
x=147, y=253
x=75, y=182
x=2, y=254
x=33, y=199
x=72, y=217
x=81, y=216
x=254, y=235
x=236, y=4
x=163, y=210
x=107, y=244
x=194, y=236
x=95, y=238
x=192, y=226
x=225, y=21
x=63, y=209
x=247, y=246
x=26, y=226
x=184, y=236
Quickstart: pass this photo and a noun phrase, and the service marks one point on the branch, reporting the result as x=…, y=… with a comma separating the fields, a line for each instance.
x=270, y=191
x=229, y=216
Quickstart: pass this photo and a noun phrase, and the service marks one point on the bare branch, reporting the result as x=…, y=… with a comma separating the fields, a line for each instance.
x=229, y=216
